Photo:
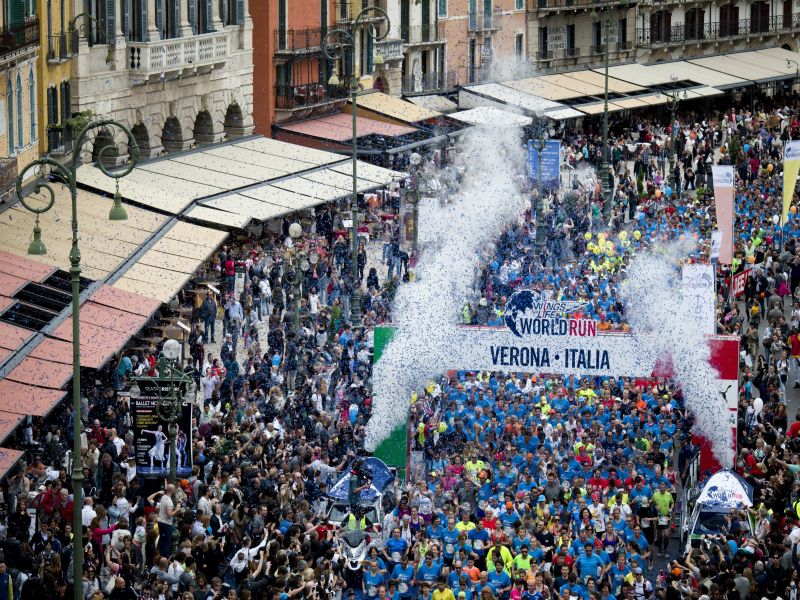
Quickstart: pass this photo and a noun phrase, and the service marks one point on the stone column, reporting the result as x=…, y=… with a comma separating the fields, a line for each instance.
x=216, y=20
x=184, y=27
x=153, y=34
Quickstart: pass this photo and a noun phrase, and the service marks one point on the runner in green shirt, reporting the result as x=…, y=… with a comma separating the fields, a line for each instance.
x=664, y=502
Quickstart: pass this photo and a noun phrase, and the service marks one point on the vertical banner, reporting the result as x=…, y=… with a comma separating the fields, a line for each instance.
x=394, y=450
x=551, y=163
x=716, y=244
x=152, y=433
x=791, y=166
x=723, y=201
x=698, y=296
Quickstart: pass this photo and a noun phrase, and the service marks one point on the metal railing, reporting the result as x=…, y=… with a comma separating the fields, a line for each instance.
x=572, y=52
x=17, y=37
x=163, y=56
x=544, y=55
x=390, y=49
x=298, y=40
x=480, y=74
x=545, y=5
x=290, y=97
x=347, y=10
x=430, y=82
x=59, y=139
x=61, y=46
x=601, y=49
x=419, y=34
x=483, y=21
x=677, y=35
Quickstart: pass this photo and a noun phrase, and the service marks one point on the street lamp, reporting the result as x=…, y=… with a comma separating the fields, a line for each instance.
x=67, y=174
x=674, y=98
x=302, y=261
x=338, y=43
x=605, y=178
x=539, y=141
x=417, y=173
x=169, y=404
x=789, y=63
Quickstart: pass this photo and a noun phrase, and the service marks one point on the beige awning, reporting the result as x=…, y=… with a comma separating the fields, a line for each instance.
x=165, y=268
x=598, y=79
x=637, y=73
x=394, y=108
x=686, y=71
x=595, y=108
x=104, y=244
x=488, y=116
x=435, y=103
x=218, y=217
x=498, y=95
x=749, y=66
x=541, y=87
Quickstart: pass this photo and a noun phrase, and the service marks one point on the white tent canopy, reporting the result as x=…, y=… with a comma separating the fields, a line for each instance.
x=489, y=116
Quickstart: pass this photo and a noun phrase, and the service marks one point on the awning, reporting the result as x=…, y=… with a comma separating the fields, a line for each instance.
x=9, y=458
x=104, y=245
x=40, y=373
x=748, y=66
x=617, y=86
x=435, y=103
x=637, y=73
x=172, y=183
x=300, y=192
x=562, y=114
x=595, y=108
x=488, y=116
x=497, y=95
x=29, y=399
x=394, y=108
x=339, y=127
x=8, y=423
x=165, y=268
x=686, y=71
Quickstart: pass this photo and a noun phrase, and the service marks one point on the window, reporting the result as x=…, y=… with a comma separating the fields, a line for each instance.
x=282, y=20
x=32, y=102
x=622, y=34
x=519, y=4
x=442, y=8
x=10, y=92
x=519, y=47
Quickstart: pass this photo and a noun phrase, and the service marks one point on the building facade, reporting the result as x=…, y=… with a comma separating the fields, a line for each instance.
x=178, y=73
x=19, y=53
x=54, y=89
x=486, y=39
x=570, y=33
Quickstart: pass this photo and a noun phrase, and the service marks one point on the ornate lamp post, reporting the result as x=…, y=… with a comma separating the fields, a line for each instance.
x=605, y=178
x=67, y=175
x=170, y=403
x=674, y=98
x=418, y=179
x=338, y=43
x=539, y=141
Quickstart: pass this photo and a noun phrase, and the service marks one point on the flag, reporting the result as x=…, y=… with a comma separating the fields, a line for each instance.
x=723, y=201
x=791, y=166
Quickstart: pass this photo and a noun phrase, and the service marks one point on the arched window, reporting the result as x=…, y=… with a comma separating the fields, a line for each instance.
x=32, y=101
x=10, y=96
x=20, y=134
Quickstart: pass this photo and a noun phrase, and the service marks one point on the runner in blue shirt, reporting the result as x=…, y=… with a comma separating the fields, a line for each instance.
x=403, y=574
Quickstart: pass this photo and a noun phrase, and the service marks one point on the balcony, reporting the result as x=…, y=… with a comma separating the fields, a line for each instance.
x=59, y=140
x=61, y=47
x=484, y=21
x=178, y=56
x=557, y=6
x=595, y=50
x=572, y=52
x=308, y=96
x=717, y=31
x=390, y=49
x=544, y=55
x=345, y=11
x=420, y=35
x=430, y=83
x=298, y=41
x=15, y=38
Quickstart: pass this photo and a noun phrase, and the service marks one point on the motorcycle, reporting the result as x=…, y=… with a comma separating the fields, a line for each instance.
x=354, y=549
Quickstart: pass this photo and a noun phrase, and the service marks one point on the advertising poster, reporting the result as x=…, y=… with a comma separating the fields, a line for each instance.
x=152, y=433
x=551, y=163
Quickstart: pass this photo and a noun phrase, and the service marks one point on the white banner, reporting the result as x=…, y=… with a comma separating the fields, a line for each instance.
x=698, y=296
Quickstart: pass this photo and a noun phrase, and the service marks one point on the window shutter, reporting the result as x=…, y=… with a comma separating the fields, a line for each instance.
x=66, y=99
x=10, y=92
x=192, y=16
x=50, y=106
x=32, y=103
x=176, y=14
x=126, y=19
x=141, y=15
x=370, y=51
x=160, y=16
x=110, y=24
x=240, y=12
x=17, y=13
x=209, y=16
x=20, y=134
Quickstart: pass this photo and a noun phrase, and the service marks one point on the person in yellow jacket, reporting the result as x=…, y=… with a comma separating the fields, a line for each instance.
x=499, y=550
x=442, y=592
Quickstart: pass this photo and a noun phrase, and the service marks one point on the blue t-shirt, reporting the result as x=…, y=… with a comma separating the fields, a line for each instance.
x=404, y=578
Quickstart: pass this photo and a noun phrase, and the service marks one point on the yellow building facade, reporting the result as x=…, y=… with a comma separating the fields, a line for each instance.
x=59, y=43
x=19, y=118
